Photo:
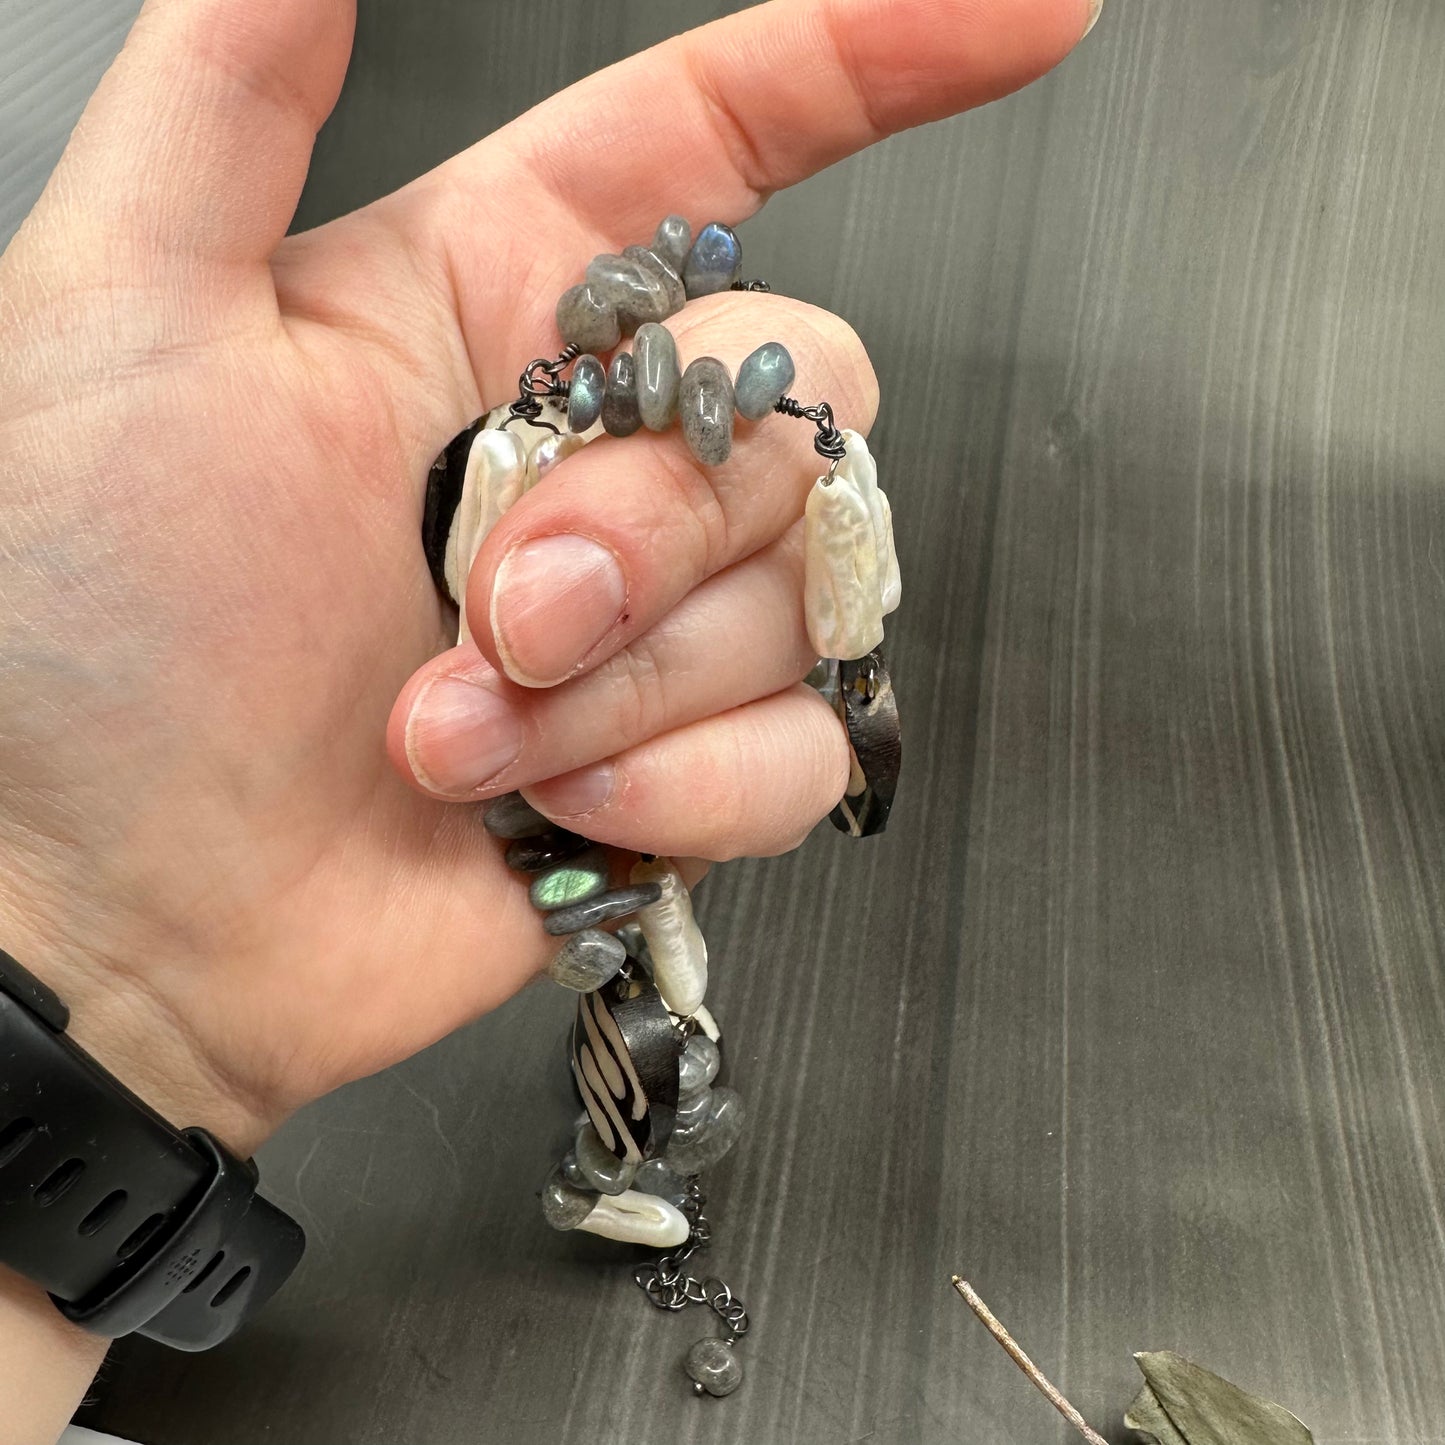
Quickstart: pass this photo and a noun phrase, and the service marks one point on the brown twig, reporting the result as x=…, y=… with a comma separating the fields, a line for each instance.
x=1016, y=1354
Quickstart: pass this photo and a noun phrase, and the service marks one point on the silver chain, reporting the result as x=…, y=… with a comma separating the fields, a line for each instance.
x=667, y=1284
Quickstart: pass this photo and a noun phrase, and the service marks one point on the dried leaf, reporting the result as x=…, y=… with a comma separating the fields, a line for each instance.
x=1183, y=1404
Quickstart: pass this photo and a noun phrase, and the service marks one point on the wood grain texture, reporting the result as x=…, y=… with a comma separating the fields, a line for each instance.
x=1134, y=1016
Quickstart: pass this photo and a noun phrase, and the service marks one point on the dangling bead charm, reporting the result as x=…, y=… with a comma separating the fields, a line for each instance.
x=713, y=1367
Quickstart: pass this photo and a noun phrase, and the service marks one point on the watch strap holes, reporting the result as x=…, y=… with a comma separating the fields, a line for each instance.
x=206, y=1273
x=103, y=1214
x=139, y=1236
x=59, y=1182
x=14, y=1137
x=231, y=1286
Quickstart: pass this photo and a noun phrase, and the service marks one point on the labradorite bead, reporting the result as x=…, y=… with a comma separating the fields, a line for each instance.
x=655, y=1178
x=714, y=262
x=585, y=320
x=705, y=403
x=698, y=1146
x=620, y=415
x=635, y=294
x=672, y=241
x=512, y=816
x=572, y=1174
x=531, y=855
x=658, y=376
x=563, y=1205
x=616, y=903
x=575, y=881
x=699, y=1065
x=693, y=1109
x=587, y=960
x=653, y=265
x=600, y=1166
x=762, y=379
x=584, y=395
x=714, y=1366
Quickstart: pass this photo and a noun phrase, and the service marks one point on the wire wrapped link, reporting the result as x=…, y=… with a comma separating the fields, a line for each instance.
x=829, y=442
x=541, y=378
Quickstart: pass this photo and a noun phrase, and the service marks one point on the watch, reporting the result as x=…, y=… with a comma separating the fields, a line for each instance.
x=130, y=1224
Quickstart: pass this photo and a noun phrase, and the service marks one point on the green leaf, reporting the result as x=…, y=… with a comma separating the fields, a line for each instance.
x=1184, y=1404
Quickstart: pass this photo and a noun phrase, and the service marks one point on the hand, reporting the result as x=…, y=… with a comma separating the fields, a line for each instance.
x=216, y=440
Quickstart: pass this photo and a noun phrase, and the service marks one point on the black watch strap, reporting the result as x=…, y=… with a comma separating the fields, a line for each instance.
x=129, y=1223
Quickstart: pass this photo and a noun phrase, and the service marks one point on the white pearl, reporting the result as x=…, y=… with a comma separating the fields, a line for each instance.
x=674, y=941
x=495, y=477
x=636, y=1218
x=850, y=569
x=548, y=452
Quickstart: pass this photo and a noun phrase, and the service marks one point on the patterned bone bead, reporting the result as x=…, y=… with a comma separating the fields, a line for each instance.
x=674, y=941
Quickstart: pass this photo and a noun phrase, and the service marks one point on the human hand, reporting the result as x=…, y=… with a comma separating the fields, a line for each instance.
x=216, y=439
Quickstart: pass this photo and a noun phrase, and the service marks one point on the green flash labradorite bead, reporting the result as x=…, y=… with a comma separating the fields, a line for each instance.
x=584, y=395
x=705, y=403
x=762, y=379
x=546, y=850
x=512, y=816
x=636, y=295
x=575, y=881
x=672, y=241
x=715, y=261
x=587, y=960
x=616, y=903
x=658, y=376
x=653, y=264
x=620, y=415
x=586, y=321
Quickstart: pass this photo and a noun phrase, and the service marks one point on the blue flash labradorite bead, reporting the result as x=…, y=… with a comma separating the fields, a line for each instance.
x=585, y=320
x=715, y=261
x=616, y=903
x=620, y=415
x=672, y=241
x=658, y=376
x=575, y=881
x=762, y=379
x=584, y=395
x=705, y=403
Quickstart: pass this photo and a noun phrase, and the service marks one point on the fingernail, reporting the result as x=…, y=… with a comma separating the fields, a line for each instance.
x=574, y=794
x=460, y=735
x=553, y=601
x=1098, y=10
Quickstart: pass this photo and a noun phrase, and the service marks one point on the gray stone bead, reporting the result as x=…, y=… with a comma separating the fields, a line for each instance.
x=584, y=396
x=585, y=320
x=512, y=816
x=672, y=241
x=653, y=265
x=631, y=937
x=546, y=850
x=699, y=1065
x=603, y=1170
x=587, y=960
x=655, y=1178
x=563, y=1206
x=572, y=1174
x=698, y=1146
x=714, y=262
x=635, y=294
x=616, y=903
x=620, y=415
x=694, y=1109
x=705, y=403
x=762, y=379
x=658, y=376
x=574, y=881
x=714, y=1366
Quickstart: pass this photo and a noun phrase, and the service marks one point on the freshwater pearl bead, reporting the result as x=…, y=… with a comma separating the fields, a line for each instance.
x=674, y=941
x=635, y=1218
x=548, y=453
x=496, y=475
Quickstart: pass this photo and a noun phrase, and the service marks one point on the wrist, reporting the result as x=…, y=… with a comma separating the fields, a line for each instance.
x=45, y=1363
x=137, y=1034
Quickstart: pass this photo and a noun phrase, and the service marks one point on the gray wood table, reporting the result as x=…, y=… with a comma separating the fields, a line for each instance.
x=1135, y=1016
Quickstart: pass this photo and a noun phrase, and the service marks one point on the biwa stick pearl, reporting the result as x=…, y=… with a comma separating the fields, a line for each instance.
x=674, y=942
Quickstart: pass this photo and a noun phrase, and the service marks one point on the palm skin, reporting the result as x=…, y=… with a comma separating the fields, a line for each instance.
x=215, y=442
